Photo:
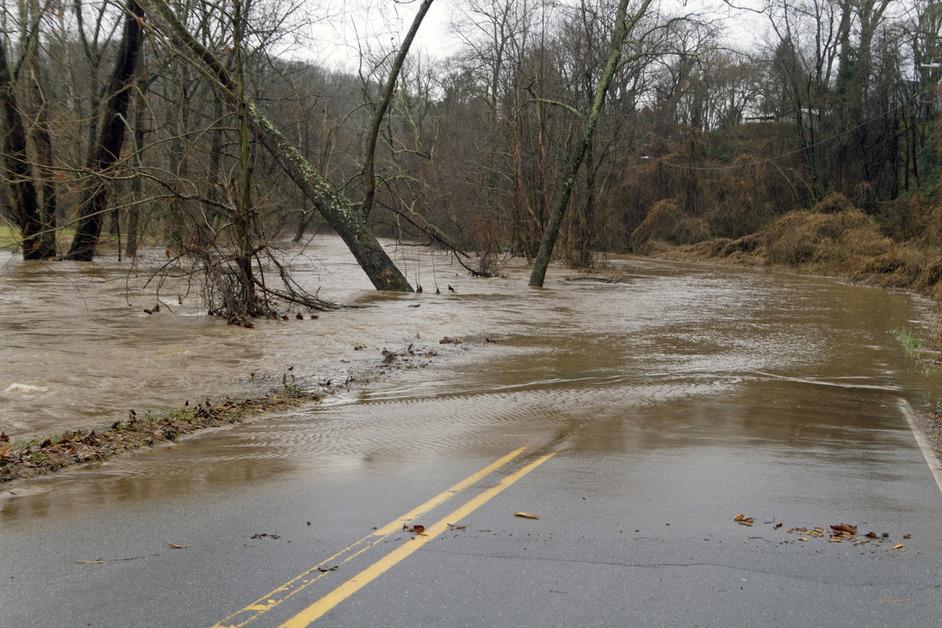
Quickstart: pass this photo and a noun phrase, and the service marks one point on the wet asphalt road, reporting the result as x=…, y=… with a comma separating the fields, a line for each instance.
x=622, y=539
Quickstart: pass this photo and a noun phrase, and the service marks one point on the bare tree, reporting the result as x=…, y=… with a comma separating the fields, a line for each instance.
x=18, y=169
x=369, y=167
x=39, y=131
x=342, y=216
x=624, y=24
x=110, y=139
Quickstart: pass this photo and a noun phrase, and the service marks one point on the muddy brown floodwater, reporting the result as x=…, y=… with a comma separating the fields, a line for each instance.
x=673, y=356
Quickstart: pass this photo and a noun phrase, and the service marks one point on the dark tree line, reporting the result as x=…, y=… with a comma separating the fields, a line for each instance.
x=552, y=132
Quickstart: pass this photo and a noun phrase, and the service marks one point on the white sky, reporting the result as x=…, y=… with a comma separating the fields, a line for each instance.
x=377, y=22
x=344, y=23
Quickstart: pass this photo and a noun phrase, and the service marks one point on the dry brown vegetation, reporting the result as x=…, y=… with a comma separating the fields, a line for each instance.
x=836, y=242
x=833, y=237
x=666, y=222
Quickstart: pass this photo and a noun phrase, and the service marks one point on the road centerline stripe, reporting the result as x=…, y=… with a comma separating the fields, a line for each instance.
x=300, y=582
x=322, y=606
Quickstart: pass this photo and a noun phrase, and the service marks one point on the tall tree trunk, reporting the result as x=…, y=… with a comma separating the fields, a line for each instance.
x=42, y=139
x=137, y=183
x=526, y=221
x=17, y=167
x=111, y=128
x=244, y=219
x=93, y=58
x=177, y=121
x=340, y=214
x=540, y=264
x=215, y=163
x=583, y=253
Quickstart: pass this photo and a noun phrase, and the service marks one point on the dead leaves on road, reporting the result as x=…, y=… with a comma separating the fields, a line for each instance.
x=843, y=530
x=743, y=520
x=417, y=529
x=835, y=533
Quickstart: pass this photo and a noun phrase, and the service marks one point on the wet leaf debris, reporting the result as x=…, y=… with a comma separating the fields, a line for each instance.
x=44, y=455
x=417, y=529
x=28, y=458
x=743, y=520
x=835, y=533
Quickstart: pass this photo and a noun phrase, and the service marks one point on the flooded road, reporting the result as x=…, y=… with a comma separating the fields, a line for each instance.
x=669, y=401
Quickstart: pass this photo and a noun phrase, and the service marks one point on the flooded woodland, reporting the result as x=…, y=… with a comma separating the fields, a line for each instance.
x=477, y=313
x=647, y=356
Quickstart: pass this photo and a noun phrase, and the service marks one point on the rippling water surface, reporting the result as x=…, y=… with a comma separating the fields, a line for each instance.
x=674, y=356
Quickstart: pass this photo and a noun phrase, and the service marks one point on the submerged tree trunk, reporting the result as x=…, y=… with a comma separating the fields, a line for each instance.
x=17, y=168
x=340, y=214
x=111, y=129
x=540, y=264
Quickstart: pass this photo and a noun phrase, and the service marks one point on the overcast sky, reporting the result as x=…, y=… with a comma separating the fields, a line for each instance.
x=374, y=21
x=386, y=21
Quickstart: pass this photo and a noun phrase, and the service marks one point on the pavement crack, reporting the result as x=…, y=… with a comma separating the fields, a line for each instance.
x=628, y=565
x=102, y=561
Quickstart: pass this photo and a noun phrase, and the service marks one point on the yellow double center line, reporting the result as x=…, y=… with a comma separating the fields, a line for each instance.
x=357, y=582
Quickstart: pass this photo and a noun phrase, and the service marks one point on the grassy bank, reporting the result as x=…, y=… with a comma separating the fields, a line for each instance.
x=10, y=237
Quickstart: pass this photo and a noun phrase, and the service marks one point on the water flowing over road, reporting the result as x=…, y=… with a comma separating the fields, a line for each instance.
x=634, y=418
